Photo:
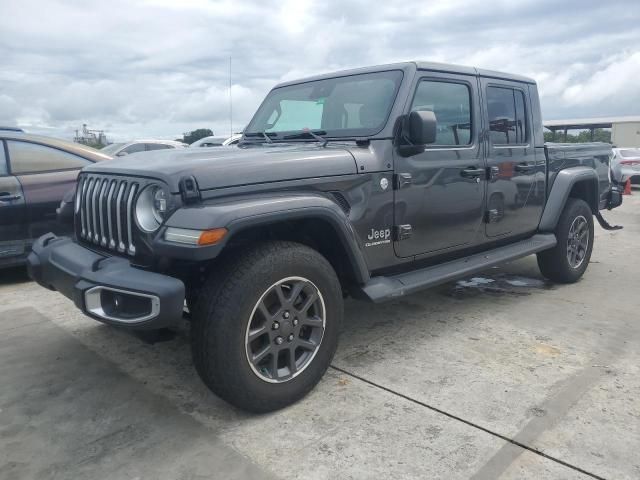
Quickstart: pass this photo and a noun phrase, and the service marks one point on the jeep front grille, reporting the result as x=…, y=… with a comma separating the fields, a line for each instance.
x=105, y=216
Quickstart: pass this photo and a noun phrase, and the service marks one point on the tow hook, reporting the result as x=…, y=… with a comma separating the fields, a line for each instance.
x=606, y=225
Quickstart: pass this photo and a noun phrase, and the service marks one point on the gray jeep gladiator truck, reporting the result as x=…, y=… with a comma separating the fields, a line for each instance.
x=374, y=183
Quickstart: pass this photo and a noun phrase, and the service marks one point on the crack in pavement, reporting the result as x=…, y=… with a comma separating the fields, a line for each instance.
x=505, y=456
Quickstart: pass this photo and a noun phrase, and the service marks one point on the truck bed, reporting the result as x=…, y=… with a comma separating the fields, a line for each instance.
x=596, y=155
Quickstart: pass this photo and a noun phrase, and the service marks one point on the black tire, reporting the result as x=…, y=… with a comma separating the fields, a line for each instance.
x=555, y=263
x=221, y=320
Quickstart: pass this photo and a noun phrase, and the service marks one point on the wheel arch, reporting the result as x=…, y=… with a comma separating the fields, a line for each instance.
x=312, y=219
x=575, y=182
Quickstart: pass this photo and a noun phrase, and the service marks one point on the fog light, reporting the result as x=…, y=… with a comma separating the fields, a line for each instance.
x=121, y=305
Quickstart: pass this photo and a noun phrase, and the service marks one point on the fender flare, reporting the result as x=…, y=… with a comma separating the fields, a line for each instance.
x=238, y=214
x=557, y=199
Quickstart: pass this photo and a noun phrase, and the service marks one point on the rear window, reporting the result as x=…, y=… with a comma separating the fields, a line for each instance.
x=507, y=116
x=158, y=146
x=630, y=152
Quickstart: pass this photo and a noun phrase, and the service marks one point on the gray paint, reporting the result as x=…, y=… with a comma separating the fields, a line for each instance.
x=564, y=182
x=229, y=167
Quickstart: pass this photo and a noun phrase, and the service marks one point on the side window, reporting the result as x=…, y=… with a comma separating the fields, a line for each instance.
x=3, y=160
x=136, y=147
x=158, y=146
x=451, y=103
x=507, y=116
x=28, y=157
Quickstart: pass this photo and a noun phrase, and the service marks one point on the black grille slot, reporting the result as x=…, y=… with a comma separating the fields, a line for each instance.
x=344, y=204
x=105, y=212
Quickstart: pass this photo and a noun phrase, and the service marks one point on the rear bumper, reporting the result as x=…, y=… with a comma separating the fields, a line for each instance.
x=107, y=289
x=629, y=173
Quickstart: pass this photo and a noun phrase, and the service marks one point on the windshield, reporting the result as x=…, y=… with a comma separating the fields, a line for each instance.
x=353, y=106
x=113, y=148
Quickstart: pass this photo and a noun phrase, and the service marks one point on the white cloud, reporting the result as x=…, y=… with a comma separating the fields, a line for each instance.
x=160, y=67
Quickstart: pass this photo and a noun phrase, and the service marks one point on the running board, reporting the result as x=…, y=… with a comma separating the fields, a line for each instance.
x=380, y=289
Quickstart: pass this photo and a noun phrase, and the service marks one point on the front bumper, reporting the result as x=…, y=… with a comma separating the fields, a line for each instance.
x=108, y=289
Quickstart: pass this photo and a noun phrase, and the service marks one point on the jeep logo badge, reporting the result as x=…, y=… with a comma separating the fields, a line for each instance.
x=378, y=237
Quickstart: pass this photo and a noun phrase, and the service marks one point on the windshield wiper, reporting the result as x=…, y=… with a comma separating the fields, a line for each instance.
x=262, y=134
x=266, y=137
x=311, y=133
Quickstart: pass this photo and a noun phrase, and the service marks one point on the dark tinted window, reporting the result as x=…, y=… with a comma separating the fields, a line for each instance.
x=136, y=147
x=31, y=158
x=507, y=116
x=3, y=160
x=158, y=146
x=451, y=102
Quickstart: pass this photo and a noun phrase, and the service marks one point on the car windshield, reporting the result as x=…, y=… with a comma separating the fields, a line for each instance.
x=352, y=106
x=630, y=152
x=113, y=148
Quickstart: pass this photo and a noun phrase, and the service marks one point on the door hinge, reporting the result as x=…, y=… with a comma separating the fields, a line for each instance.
x=402, y=232
x=401, y=180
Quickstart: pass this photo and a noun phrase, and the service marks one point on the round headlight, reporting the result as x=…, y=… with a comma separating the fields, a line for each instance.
x=151, y=208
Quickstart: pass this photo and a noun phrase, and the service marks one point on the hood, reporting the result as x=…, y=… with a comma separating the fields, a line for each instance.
x=219, y=167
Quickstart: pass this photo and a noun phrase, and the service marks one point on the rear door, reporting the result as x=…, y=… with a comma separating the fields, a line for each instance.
x=516, y=183
x=440, y=192
x=46, y=174
x=13, y=224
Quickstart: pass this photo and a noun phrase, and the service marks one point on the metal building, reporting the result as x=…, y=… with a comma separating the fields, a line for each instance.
x=625, y=131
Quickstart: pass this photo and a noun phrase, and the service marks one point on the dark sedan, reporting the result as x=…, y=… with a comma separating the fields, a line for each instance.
x=35, y=174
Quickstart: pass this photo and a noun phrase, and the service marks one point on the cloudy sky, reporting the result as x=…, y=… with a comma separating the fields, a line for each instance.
x=157, y=68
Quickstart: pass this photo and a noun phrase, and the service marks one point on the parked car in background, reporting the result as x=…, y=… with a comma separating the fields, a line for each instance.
x=135, y=146
x=214, y=141
x=35, y=174
x=626, y=164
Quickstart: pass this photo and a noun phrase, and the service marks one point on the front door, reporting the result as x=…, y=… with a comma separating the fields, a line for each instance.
x=516, y=183
x=439, y=196
x=13, y=224
x=46, y=175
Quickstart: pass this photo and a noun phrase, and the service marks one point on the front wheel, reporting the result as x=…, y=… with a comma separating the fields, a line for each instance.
x=265, y=326
x=568, y=260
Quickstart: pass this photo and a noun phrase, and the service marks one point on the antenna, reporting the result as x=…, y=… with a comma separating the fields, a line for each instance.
x=230, y=103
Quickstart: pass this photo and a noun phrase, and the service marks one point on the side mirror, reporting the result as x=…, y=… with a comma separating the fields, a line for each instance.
x=422, y=127
x=122, y=154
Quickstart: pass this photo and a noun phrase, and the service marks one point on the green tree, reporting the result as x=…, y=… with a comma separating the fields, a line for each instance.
x=196, y=135
x=584, y=136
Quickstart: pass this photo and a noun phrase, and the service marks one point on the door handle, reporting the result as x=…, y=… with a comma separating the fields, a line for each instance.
x=524, y=167
x=472, y=172
x=8, y=197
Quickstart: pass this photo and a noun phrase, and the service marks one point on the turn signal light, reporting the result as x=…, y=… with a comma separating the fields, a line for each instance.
x=210, y=237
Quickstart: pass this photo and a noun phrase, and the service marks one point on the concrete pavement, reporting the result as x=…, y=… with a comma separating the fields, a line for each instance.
x=501, y=376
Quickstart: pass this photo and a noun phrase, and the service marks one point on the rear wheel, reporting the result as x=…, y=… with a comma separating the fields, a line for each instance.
x=568, y=260
x=265, y=326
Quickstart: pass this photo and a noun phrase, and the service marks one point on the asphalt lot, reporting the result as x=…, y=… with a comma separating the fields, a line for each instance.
x=501, y=376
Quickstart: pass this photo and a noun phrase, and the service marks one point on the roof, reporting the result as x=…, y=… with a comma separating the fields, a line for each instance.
x=71, y=147
x=419, y=65
x=596, y=122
